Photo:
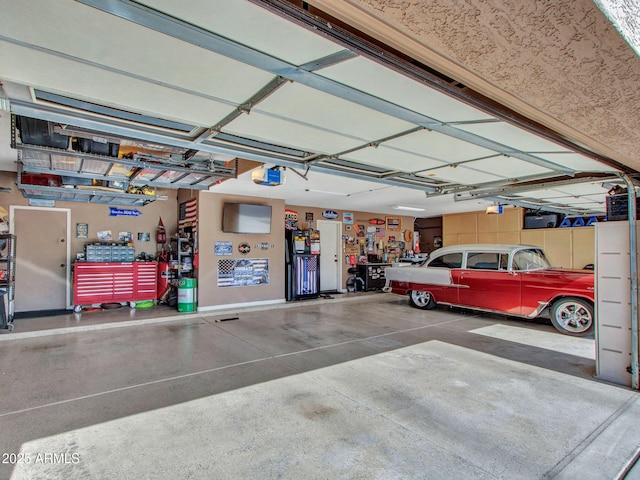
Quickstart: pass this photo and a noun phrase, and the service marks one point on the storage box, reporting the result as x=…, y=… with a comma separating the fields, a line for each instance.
x=41, y=179
x=40, y=132
x=87, y=145
x=109, y=253
x=617, y=207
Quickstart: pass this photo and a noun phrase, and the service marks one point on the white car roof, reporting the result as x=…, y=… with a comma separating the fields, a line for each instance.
x=481, y=247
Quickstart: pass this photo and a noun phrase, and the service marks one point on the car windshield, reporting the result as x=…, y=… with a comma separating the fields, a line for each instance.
x=530, y=259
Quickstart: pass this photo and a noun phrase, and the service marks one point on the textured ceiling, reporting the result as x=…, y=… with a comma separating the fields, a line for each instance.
x=561, y=64
x=625, y=16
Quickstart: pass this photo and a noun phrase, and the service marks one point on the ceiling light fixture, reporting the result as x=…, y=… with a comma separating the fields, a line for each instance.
x=404, y=207
x=326, y=192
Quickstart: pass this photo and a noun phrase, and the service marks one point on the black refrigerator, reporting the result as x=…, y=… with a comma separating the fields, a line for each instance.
x=302, y=264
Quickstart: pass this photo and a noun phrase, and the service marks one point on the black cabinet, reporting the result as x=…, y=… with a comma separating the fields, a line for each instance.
x=302, y=268
x=373, y=275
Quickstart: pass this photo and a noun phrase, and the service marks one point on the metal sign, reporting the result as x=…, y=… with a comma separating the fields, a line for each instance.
x=124, y=212
x=330, y=214
x=223, y=248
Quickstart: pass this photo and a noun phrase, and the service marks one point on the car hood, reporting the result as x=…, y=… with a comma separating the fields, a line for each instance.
x=563, y=276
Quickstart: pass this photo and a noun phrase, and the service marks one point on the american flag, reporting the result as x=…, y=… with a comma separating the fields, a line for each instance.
x=306, y=274
x=188, y=211
x=243, y=272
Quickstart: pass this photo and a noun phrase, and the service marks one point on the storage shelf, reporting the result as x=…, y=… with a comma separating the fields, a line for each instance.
x=185, y=251
x=97, y=196
x=8, y=283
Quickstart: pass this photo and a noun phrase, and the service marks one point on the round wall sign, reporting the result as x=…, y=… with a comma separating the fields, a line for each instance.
x=330, y=214
x=244, y=248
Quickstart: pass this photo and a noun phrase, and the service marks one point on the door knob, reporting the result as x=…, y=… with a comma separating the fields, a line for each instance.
x=62, y=265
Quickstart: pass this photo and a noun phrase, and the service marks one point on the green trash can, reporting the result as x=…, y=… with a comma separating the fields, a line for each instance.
x=187, y=295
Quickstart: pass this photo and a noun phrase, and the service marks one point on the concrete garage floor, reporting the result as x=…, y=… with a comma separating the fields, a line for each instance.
x=355, y=387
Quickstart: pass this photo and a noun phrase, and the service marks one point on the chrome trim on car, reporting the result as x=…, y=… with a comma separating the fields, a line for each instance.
x=481, y=310
x=538, y=311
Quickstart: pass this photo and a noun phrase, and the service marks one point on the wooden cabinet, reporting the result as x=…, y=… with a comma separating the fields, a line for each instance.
x=113, y=282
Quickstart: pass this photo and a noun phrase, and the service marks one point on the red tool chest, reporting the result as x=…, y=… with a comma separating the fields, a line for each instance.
x=109, y=282
x=145, y=281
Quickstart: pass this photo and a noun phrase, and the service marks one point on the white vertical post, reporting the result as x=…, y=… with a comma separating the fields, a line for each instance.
x=633, y=271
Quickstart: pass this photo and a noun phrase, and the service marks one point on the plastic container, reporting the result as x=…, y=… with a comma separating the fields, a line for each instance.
x=87, y=145
x=187, y=295
x=39, y=132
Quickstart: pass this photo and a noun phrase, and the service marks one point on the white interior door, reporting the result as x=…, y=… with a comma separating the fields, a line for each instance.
x=330, y=264
x=42, y=258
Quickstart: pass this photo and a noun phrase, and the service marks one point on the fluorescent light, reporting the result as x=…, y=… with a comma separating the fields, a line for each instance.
x=413, y=209
x=326, y=192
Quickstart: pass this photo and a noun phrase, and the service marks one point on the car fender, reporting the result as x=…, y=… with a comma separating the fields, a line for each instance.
x=419, y=275
x=544, y=305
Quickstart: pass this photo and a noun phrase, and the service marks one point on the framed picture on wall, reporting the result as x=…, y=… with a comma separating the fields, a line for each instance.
x=82, y=230
x=394, y=223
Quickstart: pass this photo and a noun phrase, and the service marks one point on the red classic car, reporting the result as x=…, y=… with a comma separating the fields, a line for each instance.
x=514, y=280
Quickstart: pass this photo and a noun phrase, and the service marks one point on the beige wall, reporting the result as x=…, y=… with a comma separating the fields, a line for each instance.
x=97, y=216
x=359, y=218
x=209, y=230
x=98, y=219
x=565, y=247
x=210, y=207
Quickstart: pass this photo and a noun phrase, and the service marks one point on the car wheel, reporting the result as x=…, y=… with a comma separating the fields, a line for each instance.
x=572, y=316
x=422, y=300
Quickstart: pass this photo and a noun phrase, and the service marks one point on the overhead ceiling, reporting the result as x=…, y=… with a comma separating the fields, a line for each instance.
x=355, y=126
